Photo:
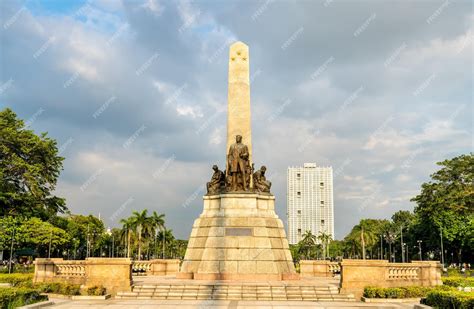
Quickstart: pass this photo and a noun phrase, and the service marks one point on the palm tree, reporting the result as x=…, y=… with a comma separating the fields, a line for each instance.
x=158, y=223
x=325, y=239
x=307, y=243
x=127, y=226
x=366, y=232
x=142, y=225
x=166, y=236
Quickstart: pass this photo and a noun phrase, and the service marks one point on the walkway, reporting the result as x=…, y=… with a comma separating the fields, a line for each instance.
x=216, y=304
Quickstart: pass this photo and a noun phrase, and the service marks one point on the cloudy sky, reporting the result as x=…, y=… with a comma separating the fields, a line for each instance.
x=135, y=93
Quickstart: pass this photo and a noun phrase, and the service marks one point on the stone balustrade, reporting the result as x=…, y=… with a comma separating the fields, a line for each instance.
x=357, y=274
x=157, y=267
x=112, y=273
x=141, y=267
x=319, y=268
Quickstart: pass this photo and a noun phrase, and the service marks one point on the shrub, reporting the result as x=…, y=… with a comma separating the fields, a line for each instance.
x=16, y=279
x=402, y=292
x=58, y=288
x=455, y=272
x=96, y=290
x=449, y=299
x=458, y=281
x=16, y=297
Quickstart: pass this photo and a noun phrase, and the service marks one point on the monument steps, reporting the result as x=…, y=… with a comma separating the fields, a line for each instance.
x=220, y=291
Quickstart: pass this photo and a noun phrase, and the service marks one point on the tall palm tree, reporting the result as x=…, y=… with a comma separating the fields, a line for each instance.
x=127, y=226
x=158, y=223
x=142, y=225
x=307, y=243
x=365, y=234
x=324, y=239
x=166, y=236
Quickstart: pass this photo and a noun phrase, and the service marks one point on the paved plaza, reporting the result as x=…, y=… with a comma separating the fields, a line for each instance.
x=215, y=304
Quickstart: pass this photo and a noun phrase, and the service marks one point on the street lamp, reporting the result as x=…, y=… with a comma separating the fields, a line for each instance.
x=390, y=238
x=402, y=244
x=419, y=249
x=109, y=232
x=381, y=247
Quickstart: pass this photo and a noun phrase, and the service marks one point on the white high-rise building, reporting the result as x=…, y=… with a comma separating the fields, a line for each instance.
x=310, y=202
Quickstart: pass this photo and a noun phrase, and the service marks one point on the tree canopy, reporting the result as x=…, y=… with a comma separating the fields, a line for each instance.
x=29, y=168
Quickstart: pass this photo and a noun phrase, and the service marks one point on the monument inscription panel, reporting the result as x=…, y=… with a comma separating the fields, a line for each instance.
x=237, y=231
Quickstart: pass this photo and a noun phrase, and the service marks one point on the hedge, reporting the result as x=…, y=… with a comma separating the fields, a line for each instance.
x=16, y=297
x=458, y=281
x=449, y=299
x=16, y=279
x=58, y=288
x=96, y=290
x=402, y=292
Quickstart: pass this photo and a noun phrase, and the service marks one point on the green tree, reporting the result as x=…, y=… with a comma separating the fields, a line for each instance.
x=143, y=227
x=158, y=224
x=307, y=245
x=446, y=205
x=324, y=238
x=29, y=168
x=166, y=236
x=365, y=235
x=86, y=232
x=43, y=235
x=126, y=235
x=336, y=248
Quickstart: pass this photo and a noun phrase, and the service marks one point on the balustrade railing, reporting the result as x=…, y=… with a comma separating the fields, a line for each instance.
x=403, y=272
x=334, y=267
x=141, y=267
x=70, y=270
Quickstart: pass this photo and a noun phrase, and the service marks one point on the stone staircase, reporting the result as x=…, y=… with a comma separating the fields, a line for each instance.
x=235, y=292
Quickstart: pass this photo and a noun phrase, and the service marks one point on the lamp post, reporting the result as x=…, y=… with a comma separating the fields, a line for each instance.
x=381, y=248
x=390, y=237
x=109, y=232
x=11, y=250
x=442, y=250
x=406, y=246
x=401, y=243
x=419, y=249
x=50, y=240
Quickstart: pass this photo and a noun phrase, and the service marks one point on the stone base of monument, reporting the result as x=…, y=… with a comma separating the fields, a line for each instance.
x=238, y=237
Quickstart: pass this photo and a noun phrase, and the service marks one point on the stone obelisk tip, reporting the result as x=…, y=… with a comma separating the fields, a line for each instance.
x=238, y=108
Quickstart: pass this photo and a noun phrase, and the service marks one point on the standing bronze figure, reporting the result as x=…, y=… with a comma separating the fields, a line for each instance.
x=237, y=165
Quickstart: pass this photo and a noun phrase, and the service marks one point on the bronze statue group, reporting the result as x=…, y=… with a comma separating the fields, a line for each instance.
x=239, y=174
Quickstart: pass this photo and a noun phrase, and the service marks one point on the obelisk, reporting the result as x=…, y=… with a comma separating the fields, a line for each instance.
x=238, y=100
x=238, y=235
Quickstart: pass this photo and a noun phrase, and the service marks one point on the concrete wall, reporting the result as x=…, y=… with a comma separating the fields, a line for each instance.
x=164, y=267
x=115, y=274
x=318, y=268
x=357, y=274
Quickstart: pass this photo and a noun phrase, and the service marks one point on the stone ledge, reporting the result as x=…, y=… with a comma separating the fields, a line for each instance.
x=41, y=304
x=391, y=300
x=90, y=297
x=239, y=195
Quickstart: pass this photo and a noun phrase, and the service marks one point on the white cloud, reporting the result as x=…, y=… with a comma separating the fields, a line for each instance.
x=154, y=6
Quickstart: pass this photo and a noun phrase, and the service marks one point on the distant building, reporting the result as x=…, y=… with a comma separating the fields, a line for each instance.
x=310, y=202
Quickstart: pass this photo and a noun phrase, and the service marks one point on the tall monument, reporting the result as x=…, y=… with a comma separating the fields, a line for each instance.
x=238, y=99
x=238, y=236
